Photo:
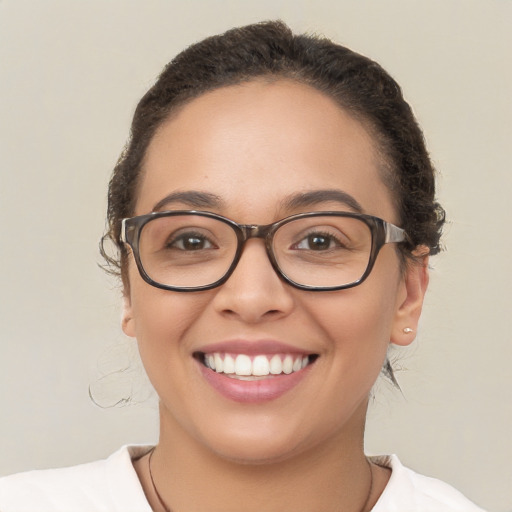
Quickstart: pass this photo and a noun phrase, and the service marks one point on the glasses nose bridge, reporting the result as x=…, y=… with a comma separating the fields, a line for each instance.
x=249, y=231
x=255, y=231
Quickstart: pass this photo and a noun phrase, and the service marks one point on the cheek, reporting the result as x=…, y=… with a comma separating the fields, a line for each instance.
x=356, y=317
x=359, y=322
x=160, y=321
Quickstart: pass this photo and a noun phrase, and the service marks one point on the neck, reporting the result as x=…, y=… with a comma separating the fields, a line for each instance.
x=331, y=477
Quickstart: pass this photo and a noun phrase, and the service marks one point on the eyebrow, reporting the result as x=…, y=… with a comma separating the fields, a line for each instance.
x=197, y=199
x=314, y=197
x=191, y=198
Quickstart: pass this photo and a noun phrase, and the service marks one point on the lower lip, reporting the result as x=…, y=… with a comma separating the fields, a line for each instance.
x=253, y=391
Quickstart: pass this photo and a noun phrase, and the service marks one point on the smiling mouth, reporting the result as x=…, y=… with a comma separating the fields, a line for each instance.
x=254, y=367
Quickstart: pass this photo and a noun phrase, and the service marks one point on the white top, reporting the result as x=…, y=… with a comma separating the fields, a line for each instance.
x=112, y=485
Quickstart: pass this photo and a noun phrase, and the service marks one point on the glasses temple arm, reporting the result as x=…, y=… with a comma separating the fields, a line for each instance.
x=122, y=235
x=394, y=234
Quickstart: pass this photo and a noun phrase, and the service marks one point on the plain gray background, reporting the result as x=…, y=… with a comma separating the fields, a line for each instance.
x=70, y=75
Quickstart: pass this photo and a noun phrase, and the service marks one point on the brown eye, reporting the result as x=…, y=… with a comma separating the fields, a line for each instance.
x=190, y=242
x=317, y=242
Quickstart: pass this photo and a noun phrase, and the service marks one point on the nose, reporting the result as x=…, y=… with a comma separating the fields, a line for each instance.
x=254, y=292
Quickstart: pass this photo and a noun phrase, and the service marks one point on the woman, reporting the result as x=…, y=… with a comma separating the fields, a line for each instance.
x=274, y=213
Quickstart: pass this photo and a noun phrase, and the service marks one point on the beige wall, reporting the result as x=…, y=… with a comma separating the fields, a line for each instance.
x=71, y=72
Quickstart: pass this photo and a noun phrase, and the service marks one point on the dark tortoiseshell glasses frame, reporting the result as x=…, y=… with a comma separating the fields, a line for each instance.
x=382, y=233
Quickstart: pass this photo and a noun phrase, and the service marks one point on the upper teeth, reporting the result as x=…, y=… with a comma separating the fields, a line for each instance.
x=258, y=366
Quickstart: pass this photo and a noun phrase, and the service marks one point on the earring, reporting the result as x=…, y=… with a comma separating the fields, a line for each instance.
x=408, y=330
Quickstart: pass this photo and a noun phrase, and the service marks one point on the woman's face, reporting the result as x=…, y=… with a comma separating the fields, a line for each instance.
x=252, y=148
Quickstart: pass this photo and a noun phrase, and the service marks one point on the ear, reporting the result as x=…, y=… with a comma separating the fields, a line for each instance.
x=410, y=299
x=127, y=320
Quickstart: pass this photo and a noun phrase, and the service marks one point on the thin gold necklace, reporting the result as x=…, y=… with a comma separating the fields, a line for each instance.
x=167, y=509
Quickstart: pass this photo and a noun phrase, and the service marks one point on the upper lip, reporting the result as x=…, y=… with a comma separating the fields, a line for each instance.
x=252, y=347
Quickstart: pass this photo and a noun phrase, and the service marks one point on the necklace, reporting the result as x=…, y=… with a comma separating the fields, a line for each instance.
x=369, y=495
x=167, y=509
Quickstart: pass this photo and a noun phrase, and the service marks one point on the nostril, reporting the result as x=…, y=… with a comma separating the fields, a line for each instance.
x=272, y=313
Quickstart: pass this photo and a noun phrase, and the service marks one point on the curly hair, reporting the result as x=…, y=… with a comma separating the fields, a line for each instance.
x=270, y=50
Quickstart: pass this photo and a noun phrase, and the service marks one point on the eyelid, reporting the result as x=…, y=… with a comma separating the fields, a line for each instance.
x=325, y=234
x=182, y=233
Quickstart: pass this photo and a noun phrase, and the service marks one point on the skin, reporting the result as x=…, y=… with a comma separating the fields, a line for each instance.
x=255, y=145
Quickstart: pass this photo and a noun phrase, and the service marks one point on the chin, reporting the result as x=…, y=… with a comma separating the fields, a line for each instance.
x=264, y=441
x=258, y=454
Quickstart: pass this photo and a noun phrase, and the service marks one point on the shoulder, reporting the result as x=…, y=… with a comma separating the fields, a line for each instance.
x=407, y=490
x=105, y=485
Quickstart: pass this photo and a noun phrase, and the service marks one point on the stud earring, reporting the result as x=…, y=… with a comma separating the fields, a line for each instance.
x=408, y=330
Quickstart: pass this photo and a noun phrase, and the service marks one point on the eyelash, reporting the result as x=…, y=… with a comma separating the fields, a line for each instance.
x=172, y=243
x=324, y=234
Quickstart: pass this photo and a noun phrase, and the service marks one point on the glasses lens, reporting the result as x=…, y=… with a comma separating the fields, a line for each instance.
x=185, y=251
x=324, y=251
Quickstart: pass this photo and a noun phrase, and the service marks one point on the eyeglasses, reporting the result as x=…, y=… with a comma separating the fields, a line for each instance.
x=318, y=251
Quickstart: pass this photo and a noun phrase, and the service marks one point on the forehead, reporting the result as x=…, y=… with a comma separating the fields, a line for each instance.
x=254, y=144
